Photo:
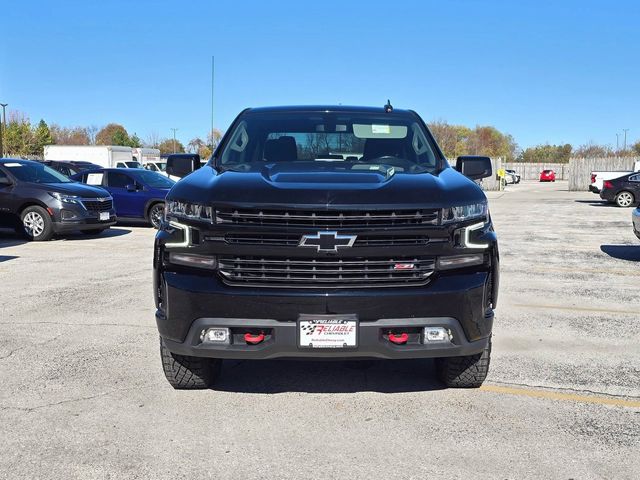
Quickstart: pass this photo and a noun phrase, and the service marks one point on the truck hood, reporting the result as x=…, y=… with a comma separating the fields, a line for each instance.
x=281, y=186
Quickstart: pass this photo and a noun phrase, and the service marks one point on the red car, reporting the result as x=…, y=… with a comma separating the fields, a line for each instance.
x=547, y=176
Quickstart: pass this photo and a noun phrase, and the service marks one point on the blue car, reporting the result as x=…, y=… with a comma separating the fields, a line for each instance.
x=137, y=193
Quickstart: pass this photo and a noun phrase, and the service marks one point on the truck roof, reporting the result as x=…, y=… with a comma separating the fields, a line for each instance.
x=326, y=108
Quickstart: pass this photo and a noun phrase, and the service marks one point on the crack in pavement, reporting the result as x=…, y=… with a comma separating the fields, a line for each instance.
x=11, y=352
x=71, y=400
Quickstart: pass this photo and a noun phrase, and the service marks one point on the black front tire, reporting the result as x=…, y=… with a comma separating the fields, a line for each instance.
x=465, y=372
x=189, y=373
x=36, y=224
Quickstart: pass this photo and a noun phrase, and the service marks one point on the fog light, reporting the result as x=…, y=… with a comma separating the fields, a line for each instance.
x=68, y=215
x=460, y=261
x=436, y=334
x=215, y=335
x=193, y=260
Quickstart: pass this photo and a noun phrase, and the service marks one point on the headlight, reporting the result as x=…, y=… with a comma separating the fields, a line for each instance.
x=190, y=211
x=465, y=212
x=65, y=198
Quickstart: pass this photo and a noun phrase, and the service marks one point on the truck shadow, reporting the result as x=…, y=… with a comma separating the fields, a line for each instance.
x=6, y=258
x=622, y=252
x=341, y=376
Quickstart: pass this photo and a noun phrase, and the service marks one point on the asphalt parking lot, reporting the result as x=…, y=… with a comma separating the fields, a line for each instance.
x=83, y=394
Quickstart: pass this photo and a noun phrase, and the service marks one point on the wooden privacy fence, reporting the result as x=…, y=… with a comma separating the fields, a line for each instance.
x=531, y=171
x=580, y=169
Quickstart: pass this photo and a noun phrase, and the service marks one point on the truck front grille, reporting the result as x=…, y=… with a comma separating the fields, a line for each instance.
x=325, y=272
x=287, y=240
x=97, y=205
x=328, y=219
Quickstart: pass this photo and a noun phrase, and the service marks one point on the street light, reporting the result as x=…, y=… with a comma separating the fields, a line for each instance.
x=174, y=139
x=625, y=130
x=3, y=128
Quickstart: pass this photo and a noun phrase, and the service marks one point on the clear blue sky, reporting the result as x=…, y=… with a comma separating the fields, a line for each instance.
x=544, y=71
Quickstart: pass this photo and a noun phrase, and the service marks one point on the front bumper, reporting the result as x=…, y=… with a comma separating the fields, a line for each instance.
x=72, y=217
x=281, y=340
x=191, y=302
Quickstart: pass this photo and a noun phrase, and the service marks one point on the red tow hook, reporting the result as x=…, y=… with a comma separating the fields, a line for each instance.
x=253, y=339
x=398, y=339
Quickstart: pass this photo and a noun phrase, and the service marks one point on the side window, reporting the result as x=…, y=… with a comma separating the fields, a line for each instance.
x=634, y=178
x=118, y=180
x=3, y=175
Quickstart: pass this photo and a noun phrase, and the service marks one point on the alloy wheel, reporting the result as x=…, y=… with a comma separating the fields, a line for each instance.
x=156, y=214
x=33, y=224
x=624, y=199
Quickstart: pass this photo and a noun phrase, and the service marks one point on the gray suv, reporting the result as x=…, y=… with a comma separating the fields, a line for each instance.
x=39, y=202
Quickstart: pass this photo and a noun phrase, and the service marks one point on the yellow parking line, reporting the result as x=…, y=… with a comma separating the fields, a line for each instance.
x=573, y=308
x=572, y=397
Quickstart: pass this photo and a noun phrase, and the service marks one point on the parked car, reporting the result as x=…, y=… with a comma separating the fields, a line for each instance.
x=511, y=176
x=598, y=178
x=69, y=167
x=39, y=201
x=137, y=193
x=624, y=191
x=547, y=176
x=635, y=219
x=277, y=251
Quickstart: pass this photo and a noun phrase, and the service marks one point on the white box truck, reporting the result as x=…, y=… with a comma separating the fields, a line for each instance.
x=146, y=155
x=107, y=156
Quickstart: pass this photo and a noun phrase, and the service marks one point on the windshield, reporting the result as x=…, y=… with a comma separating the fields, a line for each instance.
x=154, y=179
x=35, y=172
x=340, y=141
x=133, y=164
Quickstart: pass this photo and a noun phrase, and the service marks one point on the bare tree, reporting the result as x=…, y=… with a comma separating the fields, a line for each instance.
x=153, y=139
x=91, y=133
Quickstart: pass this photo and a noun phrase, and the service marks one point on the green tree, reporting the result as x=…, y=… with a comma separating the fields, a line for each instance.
x=42, y=136
x=635, y=148
x=547, y=154
x=18, y=138
x=167, y=146
x=115, y=134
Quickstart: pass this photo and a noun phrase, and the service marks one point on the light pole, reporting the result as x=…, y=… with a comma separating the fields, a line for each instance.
x=3, y=128
x=625, y=130
x=617, y=142
x=174, y=139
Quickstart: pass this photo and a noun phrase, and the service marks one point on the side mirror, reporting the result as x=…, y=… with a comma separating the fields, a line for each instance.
x=132, y=188
x=181, y=165
x=474, y=167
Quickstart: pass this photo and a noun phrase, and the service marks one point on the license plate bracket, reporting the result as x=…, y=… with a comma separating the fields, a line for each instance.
x=328, y=331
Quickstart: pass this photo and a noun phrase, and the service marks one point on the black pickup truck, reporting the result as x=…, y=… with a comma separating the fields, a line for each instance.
x=327, y=232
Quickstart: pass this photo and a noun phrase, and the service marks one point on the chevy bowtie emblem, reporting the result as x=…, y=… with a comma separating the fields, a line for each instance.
x=327, y=241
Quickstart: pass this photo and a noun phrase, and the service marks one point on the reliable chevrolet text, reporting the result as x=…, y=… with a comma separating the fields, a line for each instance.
x=327, y=232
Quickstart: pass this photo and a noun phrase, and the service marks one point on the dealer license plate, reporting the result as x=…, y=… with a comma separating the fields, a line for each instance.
x=328, y=332
x=104, y=216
